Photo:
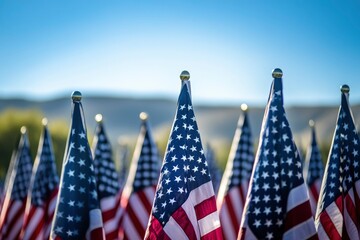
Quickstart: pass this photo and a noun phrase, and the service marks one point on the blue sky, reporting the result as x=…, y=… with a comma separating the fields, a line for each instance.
x=138, y=48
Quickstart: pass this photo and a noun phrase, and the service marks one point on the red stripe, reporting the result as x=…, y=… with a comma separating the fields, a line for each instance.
x=205, y=207
x=145, y=201
x=184, y=222
x=109, y=214
x=134, y=219
x=242, y=197
x=112, y=235
x=155, y=231
x=350, y=208
x=97, y=234
x=314, y=192
x=357, y=203
x=18, y=217
x=297, y=215
x=215, y=234
x=232, y=214
x=329, y=226
x=39, y=228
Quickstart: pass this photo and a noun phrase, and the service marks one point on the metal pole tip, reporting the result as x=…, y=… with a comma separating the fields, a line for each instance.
x=277, y=73
x=23, y=130
x=185, y=75
x=44, y=121
x=143, y=116
x=311, y=123
x=76, y=96
x=345, y=88
x=98, y=118
x=244, y=107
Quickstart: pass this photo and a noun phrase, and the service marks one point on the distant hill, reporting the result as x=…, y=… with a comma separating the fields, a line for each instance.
x=216, y=123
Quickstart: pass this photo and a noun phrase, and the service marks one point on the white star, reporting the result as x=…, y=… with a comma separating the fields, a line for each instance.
x=195, y=169
x=82, y=190
x=177, y=179
x=179, y=136
x=183, y=117
x=182, y=107
x=69, y=233
x=189, y=107
x=266, y=198
x=82, y=176
x=173, y=158
x=267, y=210
x=169, y=191
x=71, y=173
x=71, y=203
x=278, y=210
x=82, y=135
x=190, y=127
x=285, y=137
x=196, y=140
x=275, y=175
x=257, y=223
x=193, y=148
x=287, y=149
x=172, y=201
x=268, y=223
x=58, y=229
x=81, y=162
x=257, y=211
x=180, y=190
x=160, y=194
x=176, y=128
x=70, y=218
x=269, y=235
x=265, y=175
x=81, y=148
x=203, y=171
x=265, y=186
x=71, y=159
x=175, y=168
x=163, y=204
x=167, y=181
x=277, y=198
x=256, y=199
x=71, y=188
x=183, y=158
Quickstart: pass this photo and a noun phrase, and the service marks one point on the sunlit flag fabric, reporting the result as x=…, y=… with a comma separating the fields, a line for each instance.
x=77, y=214
x=338, y=210
x=313, y=169
x=277, y=205
x=235, y=182
x=12, y=213
x=42, y=193
x=139, y=191
x=185, y=205
x=215, y=172
x=107, y=181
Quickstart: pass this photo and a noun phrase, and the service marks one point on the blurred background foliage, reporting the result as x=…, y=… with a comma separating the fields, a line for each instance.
x=11, y=120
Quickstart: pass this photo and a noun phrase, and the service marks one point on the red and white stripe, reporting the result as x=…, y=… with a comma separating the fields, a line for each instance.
x=38, y=219
x=314, y=191
x=11, y=219
x=197, y=218
x=299, y=223
x=231, y=208
x=137, y=209
x=111, y=213
x=340, y=220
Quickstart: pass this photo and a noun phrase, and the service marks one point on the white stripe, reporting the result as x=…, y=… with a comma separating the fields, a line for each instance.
x=33, y=223
x=201, y=193
x=313, y=203
x=190, y=212
x=245, y=188
x=321, y=233
x=226, y=224
x=9, y=214
x=108, y=203
x=317, y=184
x=150, y=194
x=237, y=203
x=297, y=196
x=350, y=226
x=174, y=231
x=130, y=230
x=357, y=186
x=139, y=209
x=209, y=223
x=52, y=205
x=95, y=219
x=304, y=230
x=16, y=228
x=336, y=217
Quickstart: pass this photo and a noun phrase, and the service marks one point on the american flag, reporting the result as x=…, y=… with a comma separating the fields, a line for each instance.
x=313, y=170
x=215, y=172
x=139, y=191
x=184, y=205
x=12, y=213
x=338, y=209
x=277, y=205
x=43, y=191
x=107, y=181
x=77, y=214
x=235, y=182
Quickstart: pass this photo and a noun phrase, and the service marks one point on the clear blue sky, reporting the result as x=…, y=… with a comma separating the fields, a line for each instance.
x=139, y=48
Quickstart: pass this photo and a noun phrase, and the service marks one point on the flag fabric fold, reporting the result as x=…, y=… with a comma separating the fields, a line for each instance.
x=338, y=209
x=77, y=214
x=107, y=182
x=235, y=181
x=12, y=213
x=184, y=205
x=139, y=191
x=213, y=167
x=42, y=193
x=277, y=205
x=313, y=171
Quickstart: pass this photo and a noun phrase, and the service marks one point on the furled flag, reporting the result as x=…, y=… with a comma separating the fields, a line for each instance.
x=43, y=191
x=338, y=209
x=123, y=163
x=213, y=167
x=139, y=191
x=235, y=181
x=12, y=213
x=77, y=214
x=277, y=205
x=184, y=205
x=107, y=181
x=313, y=169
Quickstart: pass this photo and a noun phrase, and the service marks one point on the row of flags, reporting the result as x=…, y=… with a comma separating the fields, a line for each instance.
x=264, y=196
